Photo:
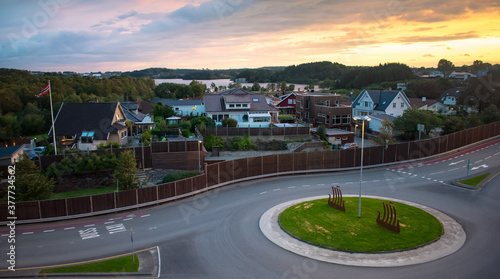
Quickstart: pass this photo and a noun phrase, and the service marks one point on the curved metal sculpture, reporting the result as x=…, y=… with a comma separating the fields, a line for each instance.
x=389, y=220
x=336, y=202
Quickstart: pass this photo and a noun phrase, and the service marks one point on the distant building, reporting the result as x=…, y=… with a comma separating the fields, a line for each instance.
x=249, y=109
x=431, y=105
x=376, y=121
x=11, y=154
x=450, y=96
x=323, y=109
x=286, y=103
x=461, y=75
x=372, y=102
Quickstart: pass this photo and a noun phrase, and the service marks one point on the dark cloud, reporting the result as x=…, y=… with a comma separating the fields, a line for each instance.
x=449, y=37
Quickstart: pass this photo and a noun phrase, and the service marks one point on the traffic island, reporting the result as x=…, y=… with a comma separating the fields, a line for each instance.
x=370, y=251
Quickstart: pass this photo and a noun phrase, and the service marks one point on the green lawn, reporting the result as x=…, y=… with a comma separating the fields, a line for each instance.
x=318, y=223
x=39, y=137
x=123, y=264
x=82, y=193
x=474, y=181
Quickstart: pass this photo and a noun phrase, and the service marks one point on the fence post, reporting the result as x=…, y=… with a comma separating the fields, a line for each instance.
x=136, y=196
x=143, y=166
x=40, y=209
x=66, y=205
x=91, y=204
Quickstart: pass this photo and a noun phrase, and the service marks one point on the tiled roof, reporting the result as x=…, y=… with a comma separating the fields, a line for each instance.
x=419, y=103
x=73, y=118
x=216, y=102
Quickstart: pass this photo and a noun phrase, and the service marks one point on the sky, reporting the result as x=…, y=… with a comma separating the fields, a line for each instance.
x=91, y=35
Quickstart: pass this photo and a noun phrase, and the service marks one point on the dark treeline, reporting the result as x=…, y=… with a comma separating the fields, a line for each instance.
x=23, y=114
x=187, y=74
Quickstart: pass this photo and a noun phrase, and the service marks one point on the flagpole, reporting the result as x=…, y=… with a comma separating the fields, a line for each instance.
x=52, y=115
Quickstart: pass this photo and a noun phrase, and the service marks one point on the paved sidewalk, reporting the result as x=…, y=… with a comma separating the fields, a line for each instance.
x=452, y=240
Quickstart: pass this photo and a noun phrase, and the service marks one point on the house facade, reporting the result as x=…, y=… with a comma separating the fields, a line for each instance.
x=323, y=109
x=184, y=107
x=287, y=103
x=450, y=96
x=249, y=109
x=373, y=102
x=138, y=120
x=86, y=125
x=430, y=105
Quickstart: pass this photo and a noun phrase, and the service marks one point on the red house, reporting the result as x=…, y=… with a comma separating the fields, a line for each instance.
x=286, y=104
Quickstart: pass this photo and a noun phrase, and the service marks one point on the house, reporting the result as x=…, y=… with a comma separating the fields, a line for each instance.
x=138, y=120
x=372, y=102
x=401, y=85
x=376, y=121
x=286, y=103
x=431, y=105
x=461, y=75
x=11, y=154
x=324, y=109
x=450, y=96
x=184, y=107
x=432, y=74
x=249, y=109
x=339, y=137
x=86, y=125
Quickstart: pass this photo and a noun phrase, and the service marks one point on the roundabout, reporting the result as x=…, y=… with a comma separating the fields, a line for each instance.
x=451, y=240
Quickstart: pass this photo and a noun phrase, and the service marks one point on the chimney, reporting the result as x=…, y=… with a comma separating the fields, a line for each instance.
x=424, y=99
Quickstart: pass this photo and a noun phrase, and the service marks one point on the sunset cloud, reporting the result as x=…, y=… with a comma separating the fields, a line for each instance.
x=82, y=35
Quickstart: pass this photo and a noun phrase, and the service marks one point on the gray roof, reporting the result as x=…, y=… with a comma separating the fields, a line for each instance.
x=216, y=102
x=178, y=102
x=7, y=152
x=131, y=112
x=383, y=116
x=454, y=92
x=381, y=98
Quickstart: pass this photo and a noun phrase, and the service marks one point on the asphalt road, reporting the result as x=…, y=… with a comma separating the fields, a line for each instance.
x=216, y=235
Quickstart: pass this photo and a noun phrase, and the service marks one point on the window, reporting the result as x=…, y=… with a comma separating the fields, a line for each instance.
x=344, y=138
x=393, y=105
x=337, y=119
x=307, y=104
x=238, y=105
x=337, y=103
x=231, y=105
x=261, y=119
x=294, y=101
x=244, y=105
x=327, y=119
x=290, y=101
x=346, y=119
x=124, y=134
x=367, y=104
x=402, y=105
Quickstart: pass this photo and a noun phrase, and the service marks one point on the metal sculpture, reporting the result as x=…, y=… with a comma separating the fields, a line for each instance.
x=336, y=201
x=389, y=220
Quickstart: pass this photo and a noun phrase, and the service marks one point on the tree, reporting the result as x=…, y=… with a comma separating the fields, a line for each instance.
x=9, y=127
x=146, y=138
x=271, y=87
x=213, y=87
x=385, y=133
x=163, y=111
x=407, y=123
x=126, y=171
x=490, y=114
x=453, y=124
x=229, y=122
x=445, y=66
x=283, y=86
x=321, y=132
x=31, y=184
x=256, y=86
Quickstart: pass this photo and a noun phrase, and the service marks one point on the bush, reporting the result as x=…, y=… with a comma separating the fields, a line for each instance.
x=229, y=122
x=171, y=177
x=185, y=125
x=211, y=141
x=77, y=164
x=286, y=118
x=185, y=133
x=272, y=145
x=321, y=132
x=241, y=144
x=104, y=146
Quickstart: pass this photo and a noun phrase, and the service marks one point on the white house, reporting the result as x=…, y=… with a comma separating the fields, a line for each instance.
x=373, y=102
x=376, y=121
x=461, y=75
x=450, y=96
x=431, y=105
x=184, y=107
x=249, y=109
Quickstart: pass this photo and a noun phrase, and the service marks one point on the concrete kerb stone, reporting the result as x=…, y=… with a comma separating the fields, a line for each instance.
x=451, y=241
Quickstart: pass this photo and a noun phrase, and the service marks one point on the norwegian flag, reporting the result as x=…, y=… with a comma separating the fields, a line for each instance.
x=44, y=91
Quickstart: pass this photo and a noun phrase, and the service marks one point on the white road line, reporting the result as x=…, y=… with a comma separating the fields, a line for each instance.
x=487, y=157
x=291, y=187
x=5, y=234
x=128, y=219
x=91, y=225
x=70, y=228
x=376, y=180
x=262, y=193
x=428, y=178
x=454, y=169
x=110, y=222
x=159, y=261
x=27, y=232
x=48, y=230
x=478, y=161
x=496, y=153
x=147, y=215
x=306, y=185
x=321, y=184
x=436, y=172
x=441, y=181
x=348, y=183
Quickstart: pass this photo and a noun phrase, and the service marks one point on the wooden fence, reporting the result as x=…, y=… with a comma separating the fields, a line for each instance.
x=228, y=171
x=261, y=131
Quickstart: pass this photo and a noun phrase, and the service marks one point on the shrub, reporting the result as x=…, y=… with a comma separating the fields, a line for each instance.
x=286, y=118
x=104, y=146
x=179, y=176
x=211, y=141
x=241, y=144
x=321, y=132
x=229, y=122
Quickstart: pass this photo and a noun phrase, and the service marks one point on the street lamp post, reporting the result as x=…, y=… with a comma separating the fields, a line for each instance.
x=366, y=118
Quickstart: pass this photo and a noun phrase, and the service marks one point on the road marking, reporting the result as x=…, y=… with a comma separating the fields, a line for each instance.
x=454, y=163
x=291, y=187
x=428, y=178
x=388, y=179
x=91, y=225
x=70, y=228
x=48, y=231
x=487, y=157
x=147, y=215
x=112, y=229
x=88, y=233
x=5, y=234
x=454, y=169
x=110, y=222
x=496, y=153
x=441, y=181
x=321, y=184
x=478, y=161
x=436, y=172
x=27, y=232
x=262, y=193
x=348, y=183
x=306, y=185
x=376, y=180
x=478, y=167
x=128, y=219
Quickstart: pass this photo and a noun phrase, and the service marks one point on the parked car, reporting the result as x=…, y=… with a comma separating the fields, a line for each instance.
x=39, y=150
x=349, y=145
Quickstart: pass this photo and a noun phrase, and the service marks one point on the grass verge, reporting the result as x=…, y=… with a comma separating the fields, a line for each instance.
x=122, y=264
x=316, y=222
x=474, y=181
x=82, y=193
